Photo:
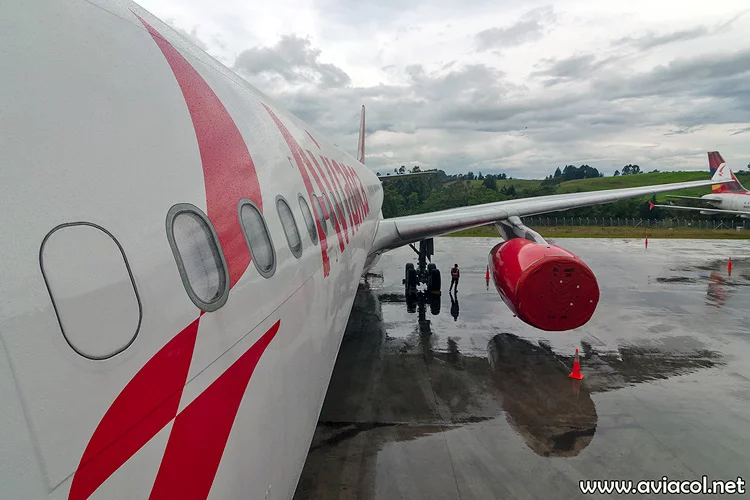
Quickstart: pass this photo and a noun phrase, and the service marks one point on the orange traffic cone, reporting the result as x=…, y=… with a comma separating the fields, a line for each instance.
x=729, y=266
x=576, y=373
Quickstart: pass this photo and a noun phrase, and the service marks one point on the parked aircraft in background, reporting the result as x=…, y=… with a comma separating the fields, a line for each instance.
x=180, y=258
x=729, y=199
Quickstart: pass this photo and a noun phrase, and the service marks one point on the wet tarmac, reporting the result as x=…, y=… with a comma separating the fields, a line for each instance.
x=471, y=403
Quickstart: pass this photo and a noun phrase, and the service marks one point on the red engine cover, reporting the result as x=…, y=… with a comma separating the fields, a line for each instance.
x=545, y=285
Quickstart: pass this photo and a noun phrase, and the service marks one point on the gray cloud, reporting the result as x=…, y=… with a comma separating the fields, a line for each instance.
x=530, y=27
x=651, y=39
x=582, y=66
x=689, y=129
x=719, y=75
x=293, y=59
x=471, y=117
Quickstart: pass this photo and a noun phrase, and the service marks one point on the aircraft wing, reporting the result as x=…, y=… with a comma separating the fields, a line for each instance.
x=686, y=197
x=399, y=231
x=405, y=175
x=707, y=211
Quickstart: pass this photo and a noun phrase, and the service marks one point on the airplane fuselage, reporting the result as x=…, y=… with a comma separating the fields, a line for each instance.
x=729, y=201
x=114, y=382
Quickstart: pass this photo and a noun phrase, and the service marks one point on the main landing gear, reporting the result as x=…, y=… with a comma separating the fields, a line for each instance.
x=424, y=273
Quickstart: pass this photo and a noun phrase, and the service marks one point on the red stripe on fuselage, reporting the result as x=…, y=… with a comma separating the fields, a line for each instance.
x=228, y=170
x=201, y=431
x=301, y=161
x=361, y=191
x=341, y=189
x=323, y=186
x=365, y=201
x=333, y=188
x=353, y=194
x=150, y=400
x=344, y=184
x=147, y=403
x=334, y=180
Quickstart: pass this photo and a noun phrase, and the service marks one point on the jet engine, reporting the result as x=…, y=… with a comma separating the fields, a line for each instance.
x=544, y=285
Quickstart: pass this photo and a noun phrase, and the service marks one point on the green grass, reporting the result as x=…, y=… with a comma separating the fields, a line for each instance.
x=616, y=232
x=621, y=181
x=626, y=181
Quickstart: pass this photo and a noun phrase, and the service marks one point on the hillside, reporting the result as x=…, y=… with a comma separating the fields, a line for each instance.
x=438, y=192
x=621, y=181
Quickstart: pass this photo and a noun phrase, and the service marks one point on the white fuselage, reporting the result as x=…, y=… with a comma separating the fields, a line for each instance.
x=729, y=201
x=126, y=391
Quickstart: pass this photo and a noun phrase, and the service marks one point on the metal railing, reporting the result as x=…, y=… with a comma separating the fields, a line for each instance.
x=551, y=221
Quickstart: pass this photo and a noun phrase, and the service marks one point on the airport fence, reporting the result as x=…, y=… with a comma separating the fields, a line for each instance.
x=551, y=221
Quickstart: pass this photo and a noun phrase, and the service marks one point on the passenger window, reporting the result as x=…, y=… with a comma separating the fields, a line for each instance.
x=331, y=213
x=198, y=255
x=347, y=206
x=258, y=238
x=337, y=201
x=92, y=289
x=290, y=226
x=309, y=221
x=319, y=213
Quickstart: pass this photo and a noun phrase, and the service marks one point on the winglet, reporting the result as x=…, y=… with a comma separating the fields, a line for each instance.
x=651, y=205
x=361, y=144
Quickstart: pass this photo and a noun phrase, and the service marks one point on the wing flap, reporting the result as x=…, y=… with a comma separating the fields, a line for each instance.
x=685, y=197
x=706, y=211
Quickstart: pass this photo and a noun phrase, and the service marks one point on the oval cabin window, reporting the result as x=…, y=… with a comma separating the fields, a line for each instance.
x=319, y=216
x=258, y=238
x=329, y=207
x=92, y=289
x=198, y=255
x=290, y=226
x=309, y=221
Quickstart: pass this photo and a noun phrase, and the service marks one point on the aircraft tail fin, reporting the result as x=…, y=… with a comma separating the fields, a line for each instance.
x=361, y=143
x=716, y=162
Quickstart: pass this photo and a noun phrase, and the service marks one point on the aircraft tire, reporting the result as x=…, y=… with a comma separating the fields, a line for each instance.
x=433, y=281
x=411, y=279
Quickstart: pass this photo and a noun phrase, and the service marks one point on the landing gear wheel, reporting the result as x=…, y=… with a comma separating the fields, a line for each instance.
x=411, y=280
x=409, y=265
x=433, y=281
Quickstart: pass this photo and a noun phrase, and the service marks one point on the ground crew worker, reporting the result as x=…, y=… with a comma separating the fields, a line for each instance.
x=454, y=277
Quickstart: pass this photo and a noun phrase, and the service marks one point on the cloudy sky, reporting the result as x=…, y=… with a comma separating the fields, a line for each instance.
x=497, y=86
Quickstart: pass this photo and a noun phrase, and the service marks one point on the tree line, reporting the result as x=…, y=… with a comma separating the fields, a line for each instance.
x=440, y=191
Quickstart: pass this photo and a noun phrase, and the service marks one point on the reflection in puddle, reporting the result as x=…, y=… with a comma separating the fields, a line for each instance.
x=422, y=385
x=721, y=280
x=412, y=389
x=554, y=414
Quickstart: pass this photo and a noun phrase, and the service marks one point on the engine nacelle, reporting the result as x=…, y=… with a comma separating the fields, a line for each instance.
x=544, y=285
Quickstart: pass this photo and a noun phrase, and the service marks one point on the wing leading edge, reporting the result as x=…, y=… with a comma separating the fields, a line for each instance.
x=399, y=231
